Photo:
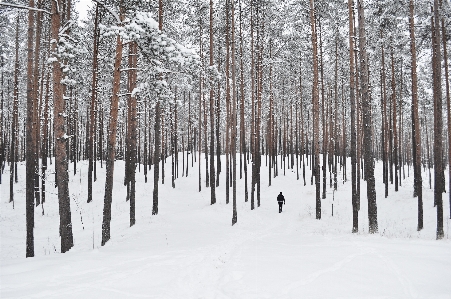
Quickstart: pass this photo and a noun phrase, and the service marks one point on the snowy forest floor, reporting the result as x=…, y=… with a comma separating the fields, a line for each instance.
x=190, y=250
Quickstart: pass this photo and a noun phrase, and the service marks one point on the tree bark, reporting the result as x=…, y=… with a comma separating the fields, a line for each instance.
x=14, y=121
x=234, y=118
x=132, y=128
x=416, y=130
x=212, y=116
x=92, y=126
x=61, y=160
x=315, y=163
x=395, y=130
x=367, y=125
x=37, y=107
x=30, y=165
x=111, y=144
x=439, y=179
x=355, y=209
x=448, y=104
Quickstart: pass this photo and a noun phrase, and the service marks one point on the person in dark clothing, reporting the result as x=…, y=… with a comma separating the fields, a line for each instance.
x=280, y=201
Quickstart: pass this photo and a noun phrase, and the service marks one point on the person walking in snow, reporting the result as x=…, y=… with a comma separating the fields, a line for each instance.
x=280, y=201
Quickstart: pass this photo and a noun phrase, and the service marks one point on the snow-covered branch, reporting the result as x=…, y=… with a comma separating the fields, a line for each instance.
x=112, y=12
x=24, y=7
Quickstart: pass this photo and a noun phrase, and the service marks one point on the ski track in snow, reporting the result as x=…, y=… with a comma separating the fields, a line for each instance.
x=190, y=250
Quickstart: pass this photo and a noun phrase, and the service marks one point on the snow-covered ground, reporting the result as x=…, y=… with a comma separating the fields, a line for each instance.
x=190, y=250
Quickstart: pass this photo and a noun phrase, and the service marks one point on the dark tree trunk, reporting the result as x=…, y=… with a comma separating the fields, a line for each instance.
x=30, y=165
x=37, y=107
x=234, y=117
x=132, y=129
x=439, y=179
x=448, y=104
x=61, y=160
x=394, y=128
x=212, y=116
x=242, y=127
x=323, y=108
x=315, y=163
x=416, y=130
x=14, y=127
x=156, y=159
x=367, y=124
x=355, y=208
x=111, y=144
x=92, y=129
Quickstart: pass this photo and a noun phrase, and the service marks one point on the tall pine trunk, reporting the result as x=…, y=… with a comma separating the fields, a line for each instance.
x=30, y=165
x=61, y=159
x=111, y=144
x=439, y=179
x=157, y=132
x=315, y=99
x=367, y=124
x=91, y=129
x=416, y=130
x=355, y=208
x=448, y=104
x=212, y=116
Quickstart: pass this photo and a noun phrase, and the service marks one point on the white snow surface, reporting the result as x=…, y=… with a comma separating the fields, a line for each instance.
x=191, y=250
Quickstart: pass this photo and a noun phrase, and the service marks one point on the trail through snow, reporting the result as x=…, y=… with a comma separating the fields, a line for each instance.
x=190, y=250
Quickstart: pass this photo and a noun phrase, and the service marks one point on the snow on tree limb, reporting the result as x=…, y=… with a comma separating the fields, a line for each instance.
x=112, y=12
x=24, y=7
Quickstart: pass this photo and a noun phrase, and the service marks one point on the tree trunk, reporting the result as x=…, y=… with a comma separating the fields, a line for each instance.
x=439, y=179
x=61, y=161
x=395, y=130
x=14, y=127
x=111, y=145
x=323, y=109
x=37, y=107
x=30, y=165
x=367, y=125
x=92, y=128
x=132, y=128
x=355, y=209
x=234, y=117
x=448, y=104
x=212, y=116
x=156, y=158
x=315, y=163
x=45, y=139
x=386, y=134
x=252, y=133
x=242, y=127
x=228, y=112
